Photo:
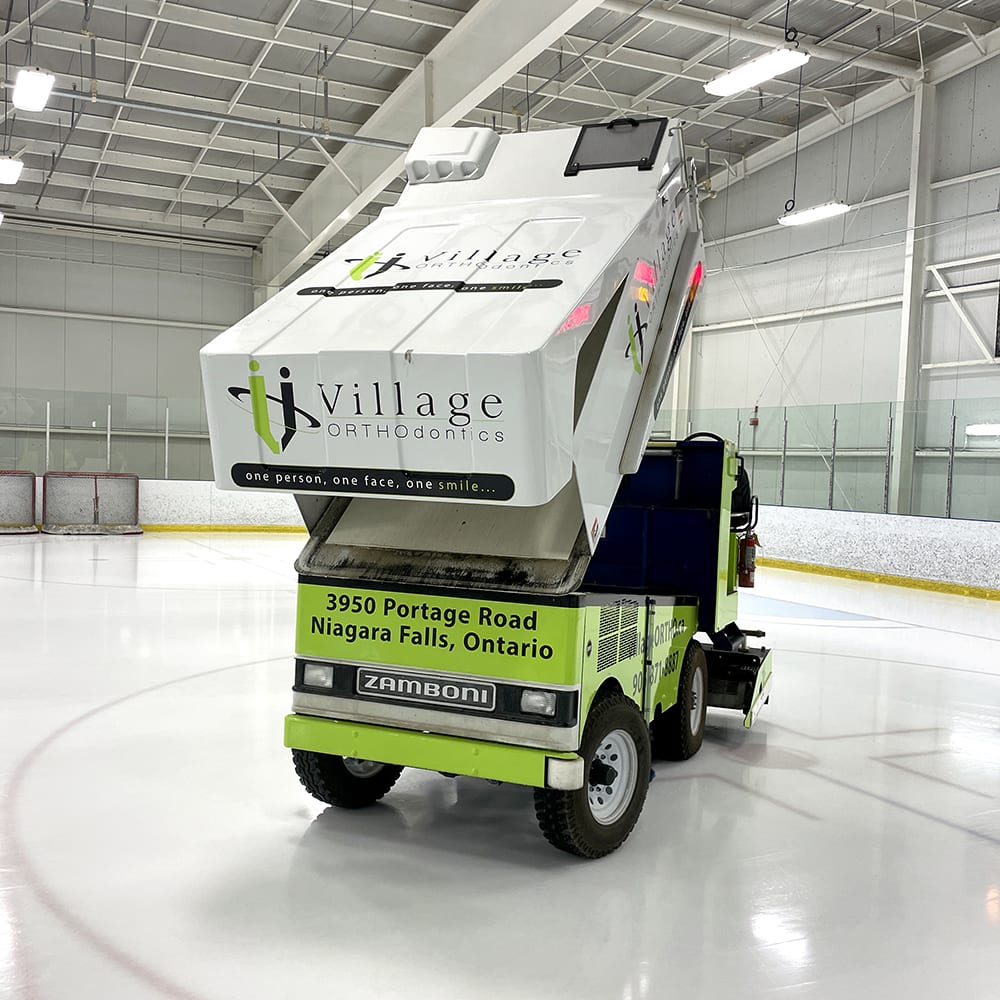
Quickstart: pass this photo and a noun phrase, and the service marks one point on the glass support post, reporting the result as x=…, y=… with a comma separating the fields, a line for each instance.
x=784, y=454
x=888, y=462
x=833, y=459
x=951, y=461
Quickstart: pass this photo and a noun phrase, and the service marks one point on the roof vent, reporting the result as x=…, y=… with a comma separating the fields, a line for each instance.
x=450, y=154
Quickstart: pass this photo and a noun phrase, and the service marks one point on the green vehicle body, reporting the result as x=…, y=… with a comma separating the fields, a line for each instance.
x=433, y=678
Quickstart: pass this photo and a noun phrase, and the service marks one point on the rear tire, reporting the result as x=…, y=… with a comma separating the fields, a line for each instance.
x=595, y=820
x=344, y=781
x=678, y=733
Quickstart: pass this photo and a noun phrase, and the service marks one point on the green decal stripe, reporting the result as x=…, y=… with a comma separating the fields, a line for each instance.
x=258, y=405
x=429, y=751
x=358, y=271
x=634, y=348
x=481, y=636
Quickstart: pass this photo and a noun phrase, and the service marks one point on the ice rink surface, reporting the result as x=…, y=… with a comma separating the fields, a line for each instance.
x=156, y=842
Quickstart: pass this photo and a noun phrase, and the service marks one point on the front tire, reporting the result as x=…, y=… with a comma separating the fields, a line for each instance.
x=344, y=781
x=595, y=820
x=678, y=733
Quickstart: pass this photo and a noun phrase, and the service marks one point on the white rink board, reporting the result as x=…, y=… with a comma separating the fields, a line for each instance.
x=964, y=552
x=166, y=502
x=925, y=548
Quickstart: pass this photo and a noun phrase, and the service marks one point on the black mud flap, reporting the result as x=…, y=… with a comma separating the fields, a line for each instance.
x=739, y=679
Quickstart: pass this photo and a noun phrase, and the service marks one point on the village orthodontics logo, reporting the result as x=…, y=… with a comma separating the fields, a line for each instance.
x=499, y=258
x=293, y=418
x=364, y=264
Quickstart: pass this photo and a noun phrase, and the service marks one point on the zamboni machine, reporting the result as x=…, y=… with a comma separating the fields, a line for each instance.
x=504, y=578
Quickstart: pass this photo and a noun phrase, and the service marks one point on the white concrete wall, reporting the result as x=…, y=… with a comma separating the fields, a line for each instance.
x=925, y=548
x=175, y=502
x=847, y=358
x=759, y=269
x=87, y=321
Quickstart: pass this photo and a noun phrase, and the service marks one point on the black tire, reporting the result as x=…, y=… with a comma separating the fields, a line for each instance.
x=331, y=780
x=567, y=819
x=675, y=735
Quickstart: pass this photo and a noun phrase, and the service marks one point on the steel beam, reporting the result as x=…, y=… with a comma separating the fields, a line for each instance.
x=911, y=11
x=136, y=66
x=122, y=213
x=174, y=134
x=731, y=27
x=797, y=315
x=941, y=68
x=487, y=47
x=912, y=309
x=228, y=119
x=22, y=26
x=670, y=67
x=838, y=309
x=284, y=83
x=235, y=72
x=963, y=316
x=251, y=29
x=254, y=69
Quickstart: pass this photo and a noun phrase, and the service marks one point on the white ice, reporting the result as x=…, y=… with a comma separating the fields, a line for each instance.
x=156, y=843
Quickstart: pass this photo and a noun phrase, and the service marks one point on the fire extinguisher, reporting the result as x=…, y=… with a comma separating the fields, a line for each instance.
x=747, y=563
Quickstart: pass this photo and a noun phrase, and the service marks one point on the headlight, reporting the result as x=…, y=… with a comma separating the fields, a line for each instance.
x=538, y=702
x=318, y=675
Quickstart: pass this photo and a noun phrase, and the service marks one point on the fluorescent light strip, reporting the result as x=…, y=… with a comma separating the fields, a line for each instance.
x=32, y=88
x=815, y=213
x=982, y=430
x=10, y=169
x=756, y=71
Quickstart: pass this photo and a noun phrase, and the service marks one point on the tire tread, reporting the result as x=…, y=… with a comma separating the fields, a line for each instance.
x=672, y=736
x=325, y=778
x=560, y=814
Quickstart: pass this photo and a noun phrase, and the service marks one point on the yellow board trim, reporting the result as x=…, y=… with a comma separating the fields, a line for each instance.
x=889, y=579
x=282, y=529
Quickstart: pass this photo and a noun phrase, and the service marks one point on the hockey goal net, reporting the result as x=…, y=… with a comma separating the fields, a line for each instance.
x=90, y=503
x=17, y=502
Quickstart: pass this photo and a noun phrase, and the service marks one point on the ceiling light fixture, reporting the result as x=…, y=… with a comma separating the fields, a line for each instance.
x=815, y=213
x=1, y=218
x=982, y=430
x=756, y=71
x=32, y=88
x=10, y=169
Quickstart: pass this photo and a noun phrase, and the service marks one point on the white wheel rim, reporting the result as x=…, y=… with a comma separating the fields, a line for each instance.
x=362, y=768
x=610, y=798
x=697, y=700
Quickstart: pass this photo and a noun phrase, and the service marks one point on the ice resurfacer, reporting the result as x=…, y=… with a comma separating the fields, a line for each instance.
x=504, y=577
